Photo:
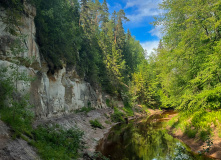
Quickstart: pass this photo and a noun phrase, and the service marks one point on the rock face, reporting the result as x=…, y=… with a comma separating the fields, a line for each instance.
x=51, y=94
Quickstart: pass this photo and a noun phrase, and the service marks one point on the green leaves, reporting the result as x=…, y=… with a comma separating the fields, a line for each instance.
x=189, y=64
x=57, y=29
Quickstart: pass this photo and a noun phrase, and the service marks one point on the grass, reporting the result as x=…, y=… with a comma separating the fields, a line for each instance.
x=117, y=116
x=108, y=103
x=191, y=133
x=200, y=123
x=96, y=124
x=84, y=109
x=56, y=143
x=129, y=111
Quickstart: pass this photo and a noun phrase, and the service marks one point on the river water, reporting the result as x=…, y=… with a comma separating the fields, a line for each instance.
x=145, y=139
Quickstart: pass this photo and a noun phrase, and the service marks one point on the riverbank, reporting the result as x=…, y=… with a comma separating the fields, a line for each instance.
x=82, y=121
x=20, y=149
x=196, y=144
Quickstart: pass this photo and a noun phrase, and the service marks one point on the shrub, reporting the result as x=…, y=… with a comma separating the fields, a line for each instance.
x=129, y=111
x=191, y=133
x=108, y=103
x=204, y=134
x=117, y=116
x=96, y=124
x=56, y=143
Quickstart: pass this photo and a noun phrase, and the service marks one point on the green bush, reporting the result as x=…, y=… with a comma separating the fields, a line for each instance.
x=204, y=134
x=108, y=103
x=191, y=133
x=18, y=118
x=18, y=115
x=129, y=111
x=56, y=143
x=96, y=124
x=117, y=116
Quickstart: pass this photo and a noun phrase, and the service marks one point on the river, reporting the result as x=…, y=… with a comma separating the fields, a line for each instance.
x=145, y=139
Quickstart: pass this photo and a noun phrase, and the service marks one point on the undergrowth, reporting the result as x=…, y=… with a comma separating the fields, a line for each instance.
x=96, y=124
x=117, y=116
x=201, y=123
x=128, y=110
x=85, y=109
x=57, y=143
x=20, y=121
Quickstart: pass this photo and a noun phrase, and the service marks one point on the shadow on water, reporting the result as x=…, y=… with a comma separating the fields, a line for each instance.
x=145, y=139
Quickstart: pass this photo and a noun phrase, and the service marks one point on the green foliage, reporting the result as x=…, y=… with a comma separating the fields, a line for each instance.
x=108, y=103
x=20, y=119
x=96, y=124
x=83, y=36
x=85, y=109
x=6, y=88
x=15, y=109
x=57, y=143
x=188, y=61
x=58, y=31
x=197, y=124
x=117, y=116
x=142, y=87
x=191, y=133
x=128, y=110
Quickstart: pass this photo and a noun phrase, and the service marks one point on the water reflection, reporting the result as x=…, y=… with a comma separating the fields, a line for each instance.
x=144, y=140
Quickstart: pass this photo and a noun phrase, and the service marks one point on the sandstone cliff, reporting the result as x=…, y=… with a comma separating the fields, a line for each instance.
x=51, y=94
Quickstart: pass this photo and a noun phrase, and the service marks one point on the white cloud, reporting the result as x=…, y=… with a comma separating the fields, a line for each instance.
x=108, y=5
x=149, y=46
x=143, y=8
x=157, y=31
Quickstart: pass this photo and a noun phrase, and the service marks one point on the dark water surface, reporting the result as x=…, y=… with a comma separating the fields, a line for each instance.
x=145, y=139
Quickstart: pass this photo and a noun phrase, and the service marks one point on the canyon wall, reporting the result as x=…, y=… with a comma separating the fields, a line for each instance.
x=51, y=94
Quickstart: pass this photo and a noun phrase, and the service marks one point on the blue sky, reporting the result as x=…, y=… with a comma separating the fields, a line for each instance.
x=140, y=13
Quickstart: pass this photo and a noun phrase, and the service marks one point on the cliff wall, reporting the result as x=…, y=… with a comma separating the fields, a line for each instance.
x=51, y=94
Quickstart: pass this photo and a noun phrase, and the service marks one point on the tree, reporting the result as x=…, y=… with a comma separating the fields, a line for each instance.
x=58, y=16
x=104, y=16
x=190, y=69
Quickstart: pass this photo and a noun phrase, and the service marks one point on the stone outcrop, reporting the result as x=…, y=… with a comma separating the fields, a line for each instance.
x=51, y=94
